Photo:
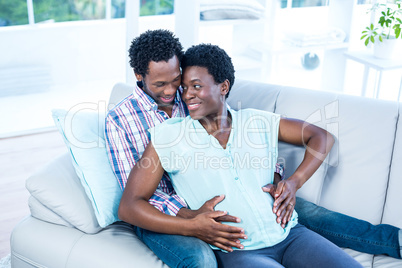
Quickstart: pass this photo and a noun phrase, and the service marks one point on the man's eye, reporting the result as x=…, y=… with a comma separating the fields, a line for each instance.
x=197, y=86
x=160, y=85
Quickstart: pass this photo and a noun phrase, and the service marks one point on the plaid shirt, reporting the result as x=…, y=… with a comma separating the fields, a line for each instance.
x=127, y=135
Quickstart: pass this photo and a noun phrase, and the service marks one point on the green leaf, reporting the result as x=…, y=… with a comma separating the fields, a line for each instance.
x=364, y=32
x=397, y=32
x=380, y=38
x=367, y=41
x=363, y=37
x=372, y=39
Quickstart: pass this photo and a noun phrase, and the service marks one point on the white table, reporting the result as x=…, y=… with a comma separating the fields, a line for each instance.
x=380, y=65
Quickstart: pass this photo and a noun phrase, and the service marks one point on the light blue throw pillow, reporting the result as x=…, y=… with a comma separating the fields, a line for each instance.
x=83, y=133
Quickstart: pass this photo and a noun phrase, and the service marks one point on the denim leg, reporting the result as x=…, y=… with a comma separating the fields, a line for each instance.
x=266, y=257
x=400, y=246
x=302, y=248
x=178, y=251
x=305, y=249
x=349, y=232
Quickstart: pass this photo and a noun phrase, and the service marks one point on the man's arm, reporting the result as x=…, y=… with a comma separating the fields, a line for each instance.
x=135, y=209
x=124, y=153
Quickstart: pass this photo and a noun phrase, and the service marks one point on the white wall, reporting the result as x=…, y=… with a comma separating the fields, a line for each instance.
x=84, y=60
x=73, y=51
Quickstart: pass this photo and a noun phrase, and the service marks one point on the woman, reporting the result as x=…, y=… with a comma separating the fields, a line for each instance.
x=219, y=151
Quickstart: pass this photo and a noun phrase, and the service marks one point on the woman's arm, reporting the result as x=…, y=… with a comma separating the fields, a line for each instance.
x=135, y=209
x=318, y=142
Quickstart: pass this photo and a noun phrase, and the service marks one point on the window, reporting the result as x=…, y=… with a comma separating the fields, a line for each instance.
x=303, y=3
x=13, y=12
x=365, y=2
x=17, y=12
x=62, y=10
x=156, y=7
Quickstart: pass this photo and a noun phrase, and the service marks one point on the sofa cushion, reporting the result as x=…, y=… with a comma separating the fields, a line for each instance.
x=382, y=261
x=83, y=133
x=248, y=94
x=40, y=211
x=392, y=209
x=366, y=260
x=356, y=183
x=35, y=243
x=315, y=107
x=57, y=187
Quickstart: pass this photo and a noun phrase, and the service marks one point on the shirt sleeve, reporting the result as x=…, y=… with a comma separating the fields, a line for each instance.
x=280, y=169
x=167, y=140
x=123, y=154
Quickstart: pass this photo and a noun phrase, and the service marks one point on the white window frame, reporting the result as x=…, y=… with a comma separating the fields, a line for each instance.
x=31, y=13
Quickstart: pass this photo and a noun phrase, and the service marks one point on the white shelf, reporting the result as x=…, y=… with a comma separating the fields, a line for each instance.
x=329, y=46
x=229, y=22
x=261, y=49
x=242, y=62
x=366, y=57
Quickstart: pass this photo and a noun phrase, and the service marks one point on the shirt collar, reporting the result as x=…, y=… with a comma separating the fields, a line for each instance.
x=199, y=129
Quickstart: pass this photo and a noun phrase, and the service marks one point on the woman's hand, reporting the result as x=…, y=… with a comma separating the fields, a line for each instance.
x=285, y=200
x=288, y=210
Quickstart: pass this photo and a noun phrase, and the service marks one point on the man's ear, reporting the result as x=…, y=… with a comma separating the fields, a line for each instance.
x=225, y=87
x=138, y=76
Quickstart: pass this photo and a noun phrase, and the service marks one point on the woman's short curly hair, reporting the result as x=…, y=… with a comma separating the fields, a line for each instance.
x=214, y=59
x=153, y=45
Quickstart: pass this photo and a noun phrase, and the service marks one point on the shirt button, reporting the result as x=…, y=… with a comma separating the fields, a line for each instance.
x=236, y=178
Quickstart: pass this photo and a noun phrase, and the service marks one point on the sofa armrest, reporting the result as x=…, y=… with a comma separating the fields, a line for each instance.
x=57, y=187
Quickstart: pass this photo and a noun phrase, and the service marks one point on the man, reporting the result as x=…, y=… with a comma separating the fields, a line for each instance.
x=155, y=57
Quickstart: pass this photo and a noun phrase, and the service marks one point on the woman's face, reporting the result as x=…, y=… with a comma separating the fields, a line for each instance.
x=203, y=96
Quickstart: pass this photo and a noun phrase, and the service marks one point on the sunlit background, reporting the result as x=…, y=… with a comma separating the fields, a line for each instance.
x=59, y=53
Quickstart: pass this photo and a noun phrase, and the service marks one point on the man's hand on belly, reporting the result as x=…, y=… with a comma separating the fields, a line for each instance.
x=207, y=225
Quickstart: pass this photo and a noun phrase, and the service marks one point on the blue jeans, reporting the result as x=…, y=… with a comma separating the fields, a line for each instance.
x=301, y=248
x=177, y=250
x=349, y=232
x=342, y=230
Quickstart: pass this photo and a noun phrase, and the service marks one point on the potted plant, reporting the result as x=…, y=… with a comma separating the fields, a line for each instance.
x=384, y=35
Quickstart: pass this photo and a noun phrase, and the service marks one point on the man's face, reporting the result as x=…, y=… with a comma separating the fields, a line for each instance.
x=162, y=81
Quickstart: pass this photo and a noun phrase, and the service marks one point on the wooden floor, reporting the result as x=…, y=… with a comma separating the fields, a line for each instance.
x=19, y=158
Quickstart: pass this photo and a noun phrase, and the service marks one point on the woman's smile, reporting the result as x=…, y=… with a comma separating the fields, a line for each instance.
x=193, y=106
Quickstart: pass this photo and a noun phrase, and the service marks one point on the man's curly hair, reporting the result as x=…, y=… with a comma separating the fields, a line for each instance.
x=214, y=59
x=155, y=45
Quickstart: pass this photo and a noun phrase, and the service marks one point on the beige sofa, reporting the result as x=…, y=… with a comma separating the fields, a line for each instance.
x=361, y=177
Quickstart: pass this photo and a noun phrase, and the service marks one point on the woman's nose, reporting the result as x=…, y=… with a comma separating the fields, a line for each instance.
x=187, y=94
